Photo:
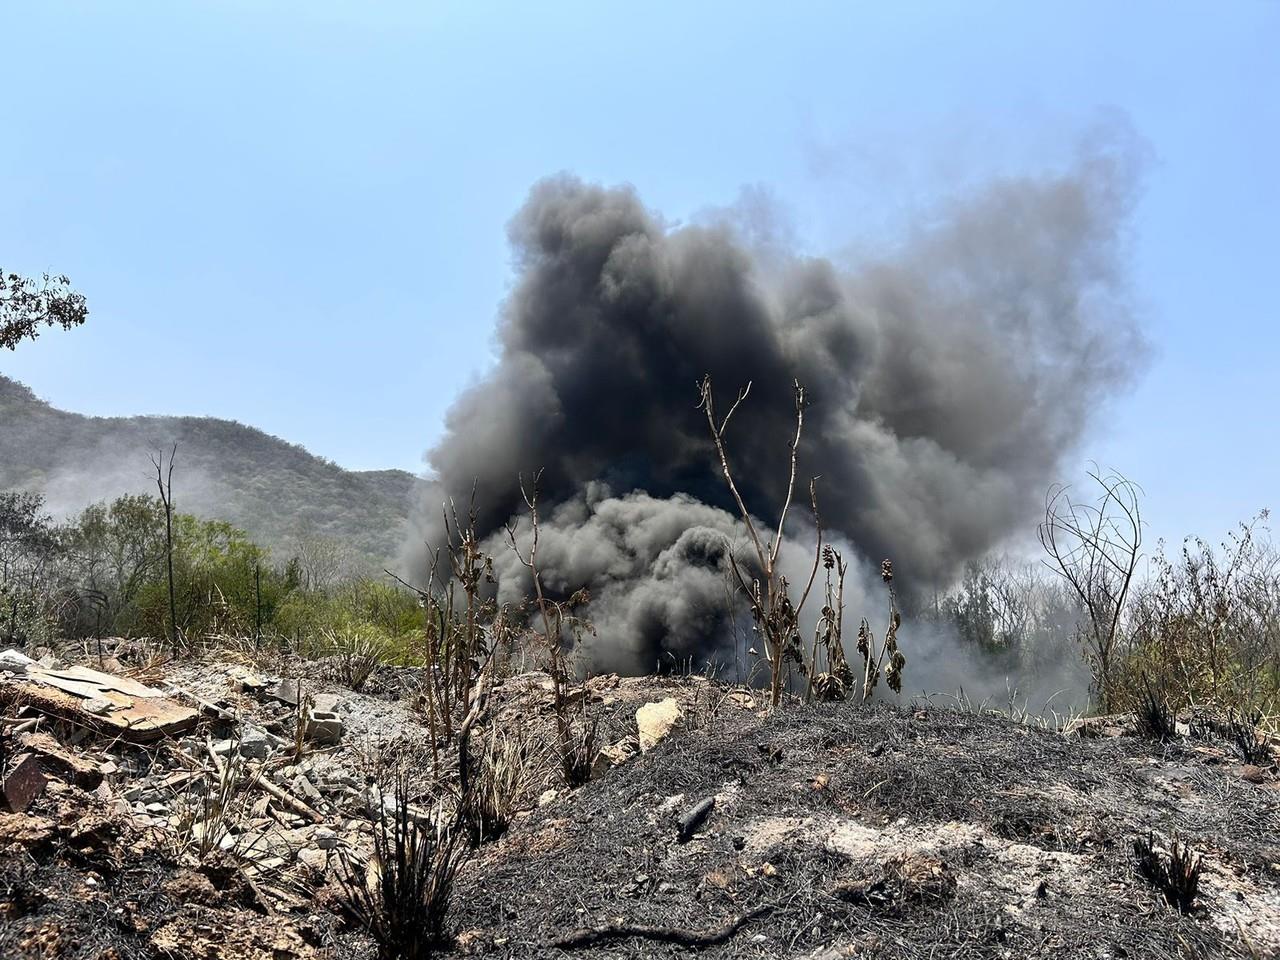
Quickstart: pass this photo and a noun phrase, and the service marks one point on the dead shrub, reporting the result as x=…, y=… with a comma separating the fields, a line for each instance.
x=1249, y=741
x=402, y=897
x=1174, y=872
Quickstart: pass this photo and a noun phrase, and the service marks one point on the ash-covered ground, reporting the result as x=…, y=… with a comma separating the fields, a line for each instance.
x=837, y=830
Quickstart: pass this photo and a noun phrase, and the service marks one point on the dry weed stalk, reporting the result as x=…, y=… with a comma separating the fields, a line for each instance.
x=776, y=617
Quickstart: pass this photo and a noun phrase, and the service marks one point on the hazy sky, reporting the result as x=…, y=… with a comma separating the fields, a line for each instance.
x=294, y=215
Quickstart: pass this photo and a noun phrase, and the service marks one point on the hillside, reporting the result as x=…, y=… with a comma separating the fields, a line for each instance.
x=275, y=490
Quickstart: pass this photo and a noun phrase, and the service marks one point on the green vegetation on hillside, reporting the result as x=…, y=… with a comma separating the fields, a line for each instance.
x=275, y=491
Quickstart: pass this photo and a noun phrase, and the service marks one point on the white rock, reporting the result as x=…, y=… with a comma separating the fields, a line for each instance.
x=655, y=721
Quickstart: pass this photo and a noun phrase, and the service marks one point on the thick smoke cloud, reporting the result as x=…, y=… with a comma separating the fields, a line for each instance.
x=948, y=379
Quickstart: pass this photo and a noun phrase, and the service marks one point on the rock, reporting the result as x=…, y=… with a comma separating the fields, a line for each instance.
x=325, y=839
x=655, y=721
x=61, y=762
x=244, y=680
x=25, y=782
x=614, y=755
x=327, y=703
x=304, y=788
x=254, y=743
x=157, y=809
x=286, y=691
x=15, y=662
x=96, y=706
x=25, y=829
x=323, y=727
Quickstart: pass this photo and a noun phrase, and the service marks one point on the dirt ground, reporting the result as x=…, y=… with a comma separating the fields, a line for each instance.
x=879, y=831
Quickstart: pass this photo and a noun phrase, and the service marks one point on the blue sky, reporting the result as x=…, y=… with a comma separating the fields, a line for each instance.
x=293, y=215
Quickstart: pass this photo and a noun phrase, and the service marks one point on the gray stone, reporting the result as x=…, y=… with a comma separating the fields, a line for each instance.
x=286, y=691
x=254, y=743
x=326, y=839
x=15, y=662
x=316, y=860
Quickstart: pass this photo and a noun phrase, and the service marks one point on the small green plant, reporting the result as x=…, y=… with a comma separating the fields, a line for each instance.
x=1175, y=872
x=402, y=897
x=355, y=656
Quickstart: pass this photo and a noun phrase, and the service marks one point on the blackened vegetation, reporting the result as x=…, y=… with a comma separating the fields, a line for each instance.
x=1155, y=717
x=604, y=872
x=1174, y=872
x=403, y=895
x=1244, y=732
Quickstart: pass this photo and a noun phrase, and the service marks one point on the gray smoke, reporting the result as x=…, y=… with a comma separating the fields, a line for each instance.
x=948, y=379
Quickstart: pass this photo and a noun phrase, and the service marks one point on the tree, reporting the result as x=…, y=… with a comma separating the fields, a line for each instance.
x=29, y=545
x=27, y=304
x=164, y=483
x=1095, y=548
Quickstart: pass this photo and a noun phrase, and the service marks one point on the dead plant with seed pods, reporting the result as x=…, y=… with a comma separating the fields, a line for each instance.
x=561, y=626
x=830, y=676
x=775, y=615
x=1174, y=872
x=402, y=896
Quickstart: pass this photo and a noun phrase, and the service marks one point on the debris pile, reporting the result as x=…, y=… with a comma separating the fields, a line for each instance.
x=213, y=809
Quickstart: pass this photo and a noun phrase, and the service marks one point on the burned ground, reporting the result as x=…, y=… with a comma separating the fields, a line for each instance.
x=1024, y=837
x=880, y=831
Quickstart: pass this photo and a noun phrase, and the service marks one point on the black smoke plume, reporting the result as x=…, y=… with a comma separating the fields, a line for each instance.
x=947, y=380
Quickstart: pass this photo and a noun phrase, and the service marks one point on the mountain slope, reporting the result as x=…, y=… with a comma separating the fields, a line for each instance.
x=275, y=490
